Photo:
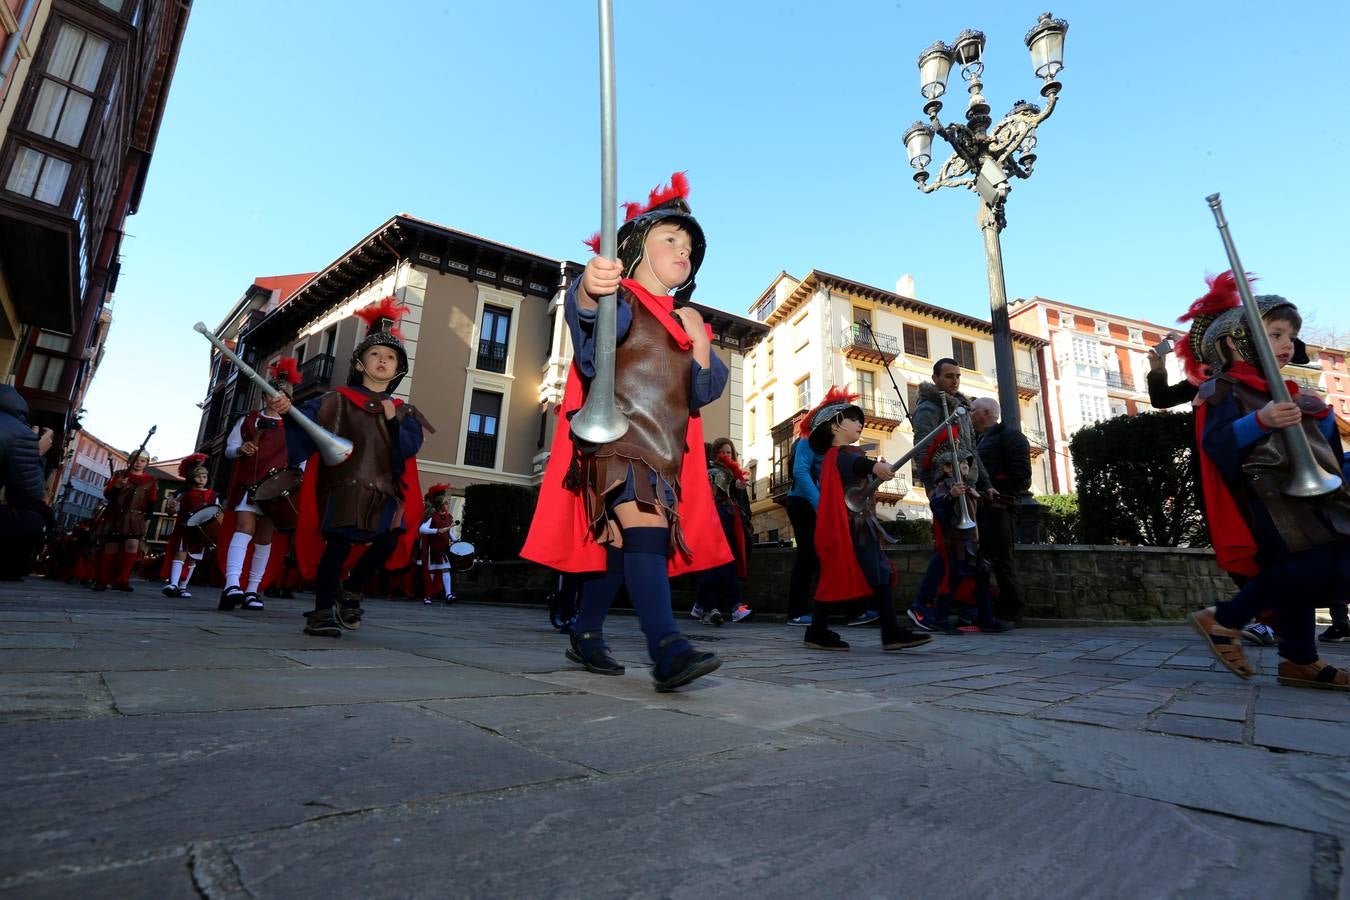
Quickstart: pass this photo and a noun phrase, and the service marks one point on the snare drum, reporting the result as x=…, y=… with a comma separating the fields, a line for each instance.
x=278, y=496
x=463, y=557
x=203, y=526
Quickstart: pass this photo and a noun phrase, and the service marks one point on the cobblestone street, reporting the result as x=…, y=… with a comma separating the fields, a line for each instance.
x=159, y=748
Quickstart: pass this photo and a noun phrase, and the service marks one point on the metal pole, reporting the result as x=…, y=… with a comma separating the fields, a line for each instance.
x=1005, y=367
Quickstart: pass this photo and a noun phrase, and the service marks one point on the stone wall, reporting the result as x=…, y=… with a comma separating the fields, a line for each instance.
x=1077, y=583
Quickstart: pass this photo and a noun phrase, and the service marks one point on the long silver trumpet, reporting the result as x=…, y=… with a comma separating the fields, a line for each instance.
x=856, y=498
x=1308, y=478
x=964, y=522
x=332, y=448
x=599, y=420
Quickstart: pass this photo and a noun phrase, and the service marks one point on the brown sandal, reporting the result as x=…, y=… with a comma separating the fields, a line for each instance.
x=1224, y=643
x=1314, y=675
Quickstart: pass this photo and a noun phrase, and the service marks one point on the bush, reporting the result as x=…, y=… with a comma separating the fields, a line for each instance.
x=497, y=518
x=1059, y=517
x=910, y=531
x=1135, y=481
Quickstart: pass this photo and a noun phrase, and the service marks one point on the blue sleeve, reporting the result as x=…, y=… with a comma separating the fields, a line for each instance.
x=803, y=459
x=581, y=324
x=1248, y=430
x=1328, y=425
x=409, y=441
x=706, y=385
x=299, y=447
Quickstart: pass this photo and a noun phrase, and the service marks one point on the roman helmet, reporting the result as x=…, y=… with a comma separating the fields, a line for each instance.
x=669, y=204
x=381, y=320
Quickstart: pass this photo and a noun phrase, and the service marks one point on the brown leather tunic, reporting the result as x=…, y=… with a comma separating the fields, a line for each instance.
x=1303, y=522
x=652, y=387
x=357, y=492
x=130, y=498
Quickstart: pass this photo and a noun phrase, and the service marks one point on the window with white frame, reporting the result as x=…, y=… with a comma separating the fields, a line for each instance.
x=804, y=393
x=1087, y=357
x=1092, y=408
x=38, y=175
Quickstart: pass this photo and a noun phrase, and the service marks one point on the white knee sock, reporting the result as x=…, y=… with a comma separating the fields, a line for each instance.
x=174, y=571
x=445, y=582
x=234, y=558
x=261, y=553
x=187, y=574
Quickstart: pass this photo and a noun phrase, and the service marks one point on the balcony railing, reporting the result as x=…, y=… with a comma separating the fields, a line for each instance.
x=1117, y=380
x=858, y=341
x=480, y=450
x=317, y=371
x=879, y=411
x=491, y=356
x=1028, y=381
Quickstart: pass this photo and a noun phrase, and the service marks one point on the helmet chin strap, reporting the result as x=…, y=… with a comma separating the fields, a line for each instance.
x=668, y=288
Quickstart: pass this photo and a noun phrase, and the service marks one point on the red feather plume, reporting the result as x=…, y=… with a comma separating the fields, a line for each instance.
x=287, y=367
x=833, y=395
x=678, y=189
x=189, y=463
x=437, y=489
x=387, y=308
x=1222, y=295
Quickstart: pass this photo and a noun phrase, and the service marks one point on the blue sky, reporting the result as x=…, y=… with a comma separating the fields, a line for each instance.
x=293, y=129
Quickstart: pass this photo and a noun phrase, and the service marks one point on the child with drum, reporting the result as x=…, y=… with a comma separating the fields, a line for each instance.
x=258, y=447
x=196, y=527
x=436, y=541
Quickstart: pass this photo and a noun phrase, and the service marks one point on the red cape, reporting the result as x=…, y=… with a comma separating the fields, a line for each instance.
x=308, y=536
x=560, y=535
x=1234, y=546
x=841, y=578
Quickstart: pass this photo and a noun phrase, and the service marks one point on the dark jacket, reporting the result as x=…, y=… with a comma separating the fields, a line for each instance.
x=20, y=464
x=927, y=415
x=1006, y=456
x=1162, y=395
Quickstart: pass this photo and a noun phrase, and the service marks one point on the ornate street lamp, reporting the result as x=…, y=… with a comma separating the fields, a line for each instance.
x=986, y=160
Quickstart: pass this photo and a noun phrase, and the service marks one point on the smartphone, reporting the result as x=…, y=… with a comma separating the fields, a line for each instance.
x=1163, y=347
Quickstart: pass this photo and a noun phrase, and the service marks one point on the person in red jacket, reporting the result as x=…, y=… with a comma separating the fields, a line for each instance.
x=436, y=540
x=186, y=544
x=258, y=447
x=131, y=494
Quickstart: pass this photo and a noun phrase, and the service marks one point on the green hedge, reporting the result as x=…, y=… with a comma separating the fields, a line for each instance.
x=497, y=518
x=910, y=531
x=1060, y=518
x=1135, y=481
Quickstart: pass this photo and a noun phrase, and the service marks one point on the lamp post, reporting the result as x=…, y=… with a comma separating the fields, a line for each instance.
x=985, y=160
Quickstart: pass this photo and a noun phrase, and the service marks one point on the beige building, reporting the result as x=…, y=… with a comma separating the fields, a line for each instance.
x=816, y=339
x=487, y=345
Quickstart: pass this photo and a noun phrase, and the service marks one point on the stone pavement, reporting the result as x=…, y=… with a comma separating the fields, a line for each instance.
x=158, y=748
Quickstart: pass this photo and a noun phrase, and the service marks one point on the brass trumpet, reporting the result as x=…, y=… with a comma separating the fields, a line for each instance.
x=333, y=449
x=1308, y=478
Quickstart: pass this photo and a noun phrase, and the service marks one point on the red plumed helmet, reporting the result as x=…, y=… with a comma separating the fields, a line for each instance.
x=1222, y=295
x=384, y=315
x=287, y=368
x=381, y=320
x=836, y=400
x=665, y=203
x=190, y=464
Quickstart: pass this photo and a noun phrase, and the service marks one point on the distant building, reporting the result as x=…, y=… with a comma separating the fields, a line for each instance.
x=487, y=345
x=817, y=338
x=80, y=488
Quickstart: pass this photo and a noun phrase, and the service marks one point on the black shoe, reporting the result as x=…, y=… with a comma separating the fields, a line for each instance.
x=994, y=626
x=322, y=623
x=945, y=626
x=598, y=661
x=99, y=586
x=252, y=601
x=903, y=639
x=684, y=668
x=230, y=598
x=1336, y=634
x=826, y=641
x=170, y=590
x=348, y=609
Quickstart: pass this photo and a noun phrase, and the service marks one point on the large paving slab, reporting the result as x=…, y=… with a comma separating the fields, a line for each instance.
x=160, y=748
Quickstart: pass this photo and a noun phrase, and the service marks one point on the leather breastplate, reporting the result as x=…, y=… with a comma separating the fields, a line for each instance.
x=1303, y=522
x=360, y=486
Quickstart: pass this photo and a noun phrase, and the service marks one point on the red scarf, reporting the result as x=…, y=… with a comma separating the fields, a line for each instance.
x=841, y=578
x=560, y=535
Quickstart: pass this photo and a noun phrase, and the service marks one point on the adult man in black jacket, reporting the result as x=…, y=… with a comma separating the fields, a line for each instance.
x=1006, y=456
x=23, y=511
